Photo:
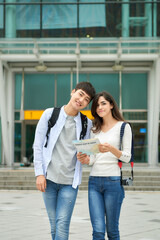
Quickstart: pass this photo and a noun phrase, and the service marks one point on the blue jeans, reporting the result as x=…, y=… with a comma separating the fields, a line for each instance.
x=105, y=199
x=59, y=201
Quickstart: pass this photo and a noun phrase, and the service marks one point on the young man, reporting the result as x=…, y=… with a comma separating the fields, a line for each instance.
x=57, y=169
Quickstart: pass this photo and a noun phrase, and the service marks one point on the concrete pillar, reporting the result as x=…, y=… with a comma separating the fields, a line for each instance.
x=7, y=115
x=10, y=17
x=10, y=116
x=3, y=113
x=125, y=19
x=0, y=143
x=153, y=113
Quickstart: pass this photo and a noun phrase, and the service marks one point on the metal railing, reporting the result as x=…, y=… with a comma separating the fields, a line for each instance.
x=80, y=46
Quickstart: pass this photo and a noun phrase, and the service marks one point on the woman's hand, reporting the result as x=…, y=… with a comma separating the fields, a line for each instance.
x=105, y=147
x=83, y=158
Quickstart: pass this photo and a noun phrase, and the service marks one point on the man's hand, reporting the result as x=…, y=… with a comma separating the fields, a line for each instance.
x=83, y=158
x=41, y=183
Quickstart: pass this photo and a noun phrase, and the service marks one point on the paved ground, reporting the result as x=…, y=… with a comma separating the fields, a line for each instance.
x=23, y=216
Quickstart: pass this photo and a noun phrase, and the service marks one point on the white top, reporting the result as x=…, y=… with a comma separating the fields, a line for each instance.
x=106, y=164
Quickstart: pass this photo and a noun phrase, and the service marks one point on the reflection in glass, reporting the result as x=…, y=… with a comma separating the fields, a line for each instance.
x=17, y=143
x=140, y=133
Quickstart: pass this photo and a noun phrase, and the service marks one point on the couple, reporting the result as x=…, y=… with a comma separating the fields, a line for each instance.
x=58, y=168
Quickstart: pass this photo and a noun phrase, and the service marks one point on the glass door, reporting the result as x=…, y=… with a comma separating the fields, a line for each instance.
x=30, y=132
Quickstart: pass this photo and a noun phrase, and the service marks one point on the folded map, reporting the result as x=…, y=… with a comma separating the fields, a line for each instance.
x=88, y=146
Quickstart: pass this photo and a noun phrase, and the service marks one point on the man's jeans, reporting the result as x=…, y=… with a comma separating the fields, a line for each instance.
x=59, y=201
x=105, y=198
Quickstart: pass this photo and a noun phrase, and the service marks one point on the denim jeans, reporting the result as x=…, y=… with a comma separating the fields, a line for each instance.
x=105, y=199
x=59, y=201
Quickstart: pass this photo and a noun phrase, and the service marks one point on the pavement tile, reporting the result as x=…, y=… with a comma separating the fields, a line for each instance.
x=23, y=216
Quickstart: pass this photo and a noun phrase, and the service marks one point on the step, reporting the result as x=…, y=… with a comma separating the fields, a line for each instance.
x=144, y=179
x=14, y=178
x=142, y=188
x=146, y=183
x=17, y=183
x=13, y=187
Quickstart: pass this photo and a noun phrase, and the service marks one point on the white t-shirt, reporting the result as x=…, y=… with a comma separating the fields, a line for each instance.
x=106, y=164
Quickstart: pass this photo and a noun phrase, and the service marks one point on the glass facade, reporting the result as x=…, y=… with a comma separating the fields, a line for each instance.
x=90, y=28
x=134, y=91
x=50, y=18
x=56, y=89
x=36, y=86
x=1, y=19
x=17, y=143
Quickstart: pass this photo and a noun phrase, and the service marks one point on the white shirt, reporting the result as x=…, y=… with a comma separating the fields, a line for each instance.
x=106, y=164
x=42, y=155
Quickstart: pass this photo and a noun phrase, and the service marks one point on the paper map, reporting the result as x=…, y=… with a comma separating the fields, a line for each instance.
x=88, y=146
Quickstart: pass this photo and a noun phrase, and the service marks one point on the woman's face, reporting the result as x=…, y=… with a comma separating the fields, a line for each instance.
x=103, y=107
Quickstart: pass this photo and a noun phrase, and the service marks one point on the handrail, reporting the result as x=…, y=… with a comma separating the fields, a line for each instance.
x=148, y=45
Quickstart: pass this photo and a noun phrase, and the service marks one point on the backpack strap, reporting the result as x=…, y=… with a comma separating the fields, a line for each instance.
x=84, y=122
x=52, y=122
x=132, y=150
x=54, y=117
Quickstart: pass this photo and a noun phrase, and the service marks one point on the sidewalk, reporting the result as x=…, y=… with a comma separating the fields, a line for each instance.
x=23, y=216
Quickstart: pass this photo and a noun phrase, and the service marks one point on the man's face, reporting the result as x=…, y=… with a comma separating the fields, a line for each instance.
x=79, y=99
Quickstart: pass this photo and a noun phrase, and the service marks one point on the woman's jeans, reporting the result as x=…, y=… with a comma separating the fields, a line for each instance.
x=105, y=199
x=59, y=201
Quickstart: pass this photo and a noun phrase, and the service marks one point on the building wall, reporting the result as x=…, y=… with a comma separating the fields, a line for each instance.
x=56, y=89
x=82, y=20
x=134, y=89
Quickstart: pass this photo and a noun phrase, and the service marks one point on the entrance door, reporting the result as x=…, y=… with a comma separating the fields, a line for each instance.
x=28, y=134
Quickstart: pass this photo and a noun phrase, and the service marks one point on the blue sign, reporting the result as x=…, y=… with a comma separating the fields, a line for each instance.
x=143, y=130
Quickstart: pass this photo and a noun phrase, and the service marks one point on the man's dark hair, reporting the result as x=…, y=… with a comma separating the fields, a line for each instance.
x=86, y=87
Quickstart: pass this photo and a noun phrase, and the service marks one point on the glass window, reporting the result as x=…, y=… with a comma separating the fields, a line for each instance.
x=27, y=19
x=135, y=115
x=137, y=20
x=140, y=142
x=106, y=82
x=63, y=89
x=102, y=82
x=92, y=15
x=134, y=19
x=134, y=90
x=30, y=132
x=59, y=16
x=18, y=91
x=83, y=77
x=17, y=143
x=157, y=17
x=39, y=91
x=1, y=18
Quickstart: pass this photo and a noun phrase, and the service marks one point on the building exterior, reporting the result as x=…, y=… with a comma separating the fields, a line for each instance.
x=47, y=46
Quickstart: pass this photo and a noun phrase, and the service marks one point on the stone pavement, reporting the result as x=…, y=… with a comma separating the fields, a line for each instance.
x=23, y=216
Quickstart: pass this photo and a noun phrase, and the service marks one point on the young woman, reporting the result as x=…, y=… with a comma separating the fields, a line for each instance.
x=105, y=191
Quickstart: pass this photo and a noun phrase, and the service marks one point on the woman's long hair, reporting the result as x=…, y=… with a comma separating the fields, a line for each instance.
x=97, y=121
